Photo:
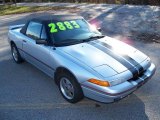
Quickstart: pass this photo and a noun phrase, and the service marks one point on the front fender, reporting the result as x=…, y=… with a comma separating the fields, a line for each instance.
x=81, y=71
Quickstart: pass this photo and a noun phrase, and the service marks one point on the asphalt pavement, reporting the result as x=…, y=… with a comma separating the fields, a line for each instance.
x=28, y=94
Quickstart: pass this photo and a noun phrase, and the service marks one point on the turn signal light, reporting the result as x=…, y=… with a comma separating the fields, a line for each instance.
x=99, y=82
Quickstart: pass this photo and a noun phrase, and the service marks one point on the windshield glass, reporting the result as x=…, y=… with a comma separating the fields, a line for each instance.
x=71, y=31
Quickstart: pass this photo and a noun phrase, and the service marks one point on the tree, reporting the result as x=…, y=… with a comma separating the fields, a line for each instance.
x=3, y=1
x=145, y=2
x=14, y=2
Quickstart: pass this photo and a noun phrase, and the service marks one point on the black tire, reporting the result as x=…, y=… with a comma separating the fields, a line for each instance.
x=18, y=59
x=78, y=93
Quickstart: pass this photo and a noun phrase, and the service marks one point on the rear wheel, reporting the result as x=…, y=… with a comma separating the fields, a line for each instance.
x=69, y=87
x=15, y=54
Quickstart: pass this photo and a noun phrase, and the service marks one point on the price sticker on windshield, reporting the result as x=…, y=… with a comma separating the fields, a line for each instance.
x=62, y=26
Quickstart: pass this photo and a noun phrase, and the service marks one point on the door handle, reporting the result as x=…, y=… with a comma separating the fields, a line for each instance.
x=24, y=41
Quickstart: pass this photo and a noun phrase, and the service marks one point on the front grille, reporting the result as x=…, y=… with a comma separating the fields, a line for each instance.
x=141, y=70
x=135, y=77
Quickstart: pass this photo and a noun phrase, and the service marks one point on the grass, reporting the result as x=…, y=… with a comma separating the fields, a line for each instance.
x=10, y=9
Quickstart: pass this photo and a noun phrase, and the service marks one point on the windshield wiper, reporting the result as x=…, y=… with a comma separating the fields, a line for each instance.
x=76, y=41
x=96, y=36
x=66, y=42
x=93, y=37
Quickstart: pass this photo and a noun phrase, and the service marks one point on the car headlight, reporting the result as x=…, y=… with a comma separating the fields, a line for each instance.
x=117, y=81
x=99, y=82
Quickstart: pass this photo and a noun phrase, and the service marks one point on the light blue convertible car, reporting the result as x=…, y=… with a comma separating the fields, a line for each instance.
x=81, y=60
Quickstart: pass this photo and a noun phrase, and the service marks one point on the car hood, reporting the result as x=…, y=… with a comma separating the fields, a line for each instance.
x=111, y=55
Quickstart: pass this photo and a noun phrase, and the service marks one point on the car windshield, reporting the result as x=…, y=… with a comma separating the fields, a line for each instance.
x=71, y=31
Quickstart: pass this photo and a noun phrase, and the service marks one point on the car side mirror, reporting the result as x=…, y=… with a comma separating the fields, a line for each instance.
x=99, y=29
x=41, y=41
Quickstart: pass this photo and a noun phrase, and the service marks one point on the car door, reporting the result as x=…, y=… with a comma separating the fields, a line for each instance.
x=37, y=54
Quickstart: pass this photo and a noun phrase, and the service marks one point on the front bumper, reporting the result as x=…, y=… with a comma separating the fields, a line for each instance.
x=117, y=92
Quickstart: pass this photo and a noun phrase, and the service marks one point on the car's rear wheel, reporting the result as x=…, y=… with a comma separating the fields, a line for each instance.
x=69, y=87
x=15, y=54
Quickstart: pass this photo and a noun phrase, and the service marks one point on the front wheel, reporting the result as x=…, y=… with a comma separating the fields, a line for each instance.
x=69, y=88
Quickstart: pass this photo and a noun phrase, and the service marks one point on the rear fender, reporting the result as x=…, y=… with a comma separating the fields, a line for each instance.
x=16, y=26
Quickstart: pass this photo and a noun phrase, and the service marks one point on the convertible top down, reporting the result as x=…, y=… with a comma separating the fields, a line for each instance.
x=82, y=61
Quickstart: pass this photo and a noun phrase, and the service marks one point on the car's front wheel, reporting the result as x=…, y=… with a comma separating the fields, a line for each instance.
x=69, y=87
x=15, y=54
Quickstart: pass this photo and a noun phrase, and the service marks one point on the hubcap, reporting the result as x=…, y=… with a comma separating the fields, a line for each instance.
x=66, y=88
x=15, y=53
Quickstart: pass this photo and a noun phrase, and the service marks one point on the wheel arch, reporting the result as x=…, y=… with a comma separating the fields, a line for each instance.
x=12, y=42
x=62, y=69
